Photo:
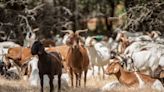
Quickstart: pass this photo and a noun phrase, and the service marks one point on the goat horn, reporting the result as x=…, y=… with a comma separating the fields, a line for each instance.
x=158, y=32
x=79, y=31
x=35, y=30
x=118, y=57
x=68, y=31
x=2, y=32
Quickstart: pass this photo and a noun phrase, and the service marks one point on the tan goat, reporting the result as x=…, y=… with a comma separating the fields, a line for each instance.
x=132, y=79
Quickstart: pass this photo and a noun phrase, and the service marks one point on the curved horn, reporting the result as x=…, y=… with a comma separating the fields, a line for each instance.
x=35, y=30
x=79, y=31
x=2, y=32
x=118, y=57
x=68, y=31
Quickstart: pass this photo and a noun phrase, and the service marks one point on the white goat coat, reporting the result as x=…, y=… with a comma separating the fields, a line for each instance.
x=8, y=44
x=134, y=47
x=98, y=54
x=148, y=59
x=3, y=51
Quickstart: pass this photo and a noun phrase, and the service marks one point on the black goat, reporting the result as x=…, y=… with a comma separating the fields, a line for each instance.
x=49, y=63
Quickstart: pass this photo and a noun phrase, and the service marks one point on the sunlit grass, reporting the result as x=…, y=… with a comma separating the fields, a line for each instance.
x=93, y=85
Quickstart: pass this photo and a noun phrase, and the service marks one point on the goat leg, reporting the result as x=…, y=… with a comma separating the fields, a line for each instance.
x=59, y=82
x=93, y=70
x=71, y=76
x=41, y=82
x=77, y=78
x=103, y=72
x=51, y=77
x=85, y=77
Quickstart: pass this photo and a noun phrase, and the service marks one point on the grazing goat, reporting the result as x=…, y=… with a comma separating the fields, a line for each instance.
x=77, y=58
x=132, y=79
x=145, y=60
x=7, y=73
x=49, y=63
x=19, y=56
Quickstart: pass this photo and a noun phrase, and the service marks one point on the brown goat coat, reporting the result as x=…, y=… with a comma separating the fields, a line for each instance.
x=78, y=59
x=19, y=55
x=128, y=78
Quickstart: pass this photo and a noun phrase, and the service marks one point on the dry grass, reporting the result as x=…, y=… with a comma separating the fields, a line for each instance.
x=93, y=85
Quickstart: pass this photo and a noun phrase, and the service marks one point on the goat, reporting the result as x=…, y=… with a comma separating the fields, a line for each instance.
x=77, y=59
x=132, y=79
x=8, y=74
x=123, y=42
x=8, y=44
x=49, y=63
x=30, y=38
x=99, y=54
x=145, y=60
x=19, y=56
x=33, y=75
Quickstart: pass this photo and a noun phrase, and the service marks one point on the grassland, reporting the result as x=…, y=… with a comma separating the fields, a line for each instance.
x=93, y=85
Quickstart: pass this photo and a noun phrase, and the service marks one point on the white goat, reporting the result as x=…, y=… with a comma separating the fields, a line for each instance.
x=99, y=54
x=8, y=44
x=145, y=60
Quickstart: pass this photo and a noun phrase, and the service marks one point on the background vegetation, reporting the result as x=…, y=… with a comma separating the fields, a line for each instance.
x=50, y=16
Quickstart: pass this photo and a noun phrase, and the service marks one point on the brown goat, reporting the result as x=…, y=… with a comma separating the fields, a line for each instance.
x=20, y=56
x=49, y=63
x=129, y=79
x=77, y=59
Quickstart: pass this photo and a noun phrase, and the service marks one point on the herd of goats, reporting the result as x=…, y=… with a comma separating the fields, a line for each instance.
x=136, y=59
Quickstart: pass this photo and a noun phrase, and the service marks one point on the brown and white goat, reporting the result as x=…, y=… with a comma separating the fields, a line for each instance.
x=132, y=79
x=77, y=58
x=20, y=57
